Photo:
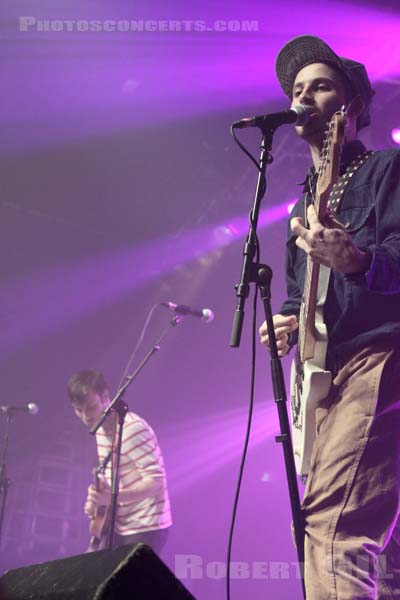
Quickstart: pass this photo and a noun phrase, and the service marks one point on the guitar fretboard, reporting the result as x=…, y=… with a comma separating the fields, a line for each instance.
x=328, y=174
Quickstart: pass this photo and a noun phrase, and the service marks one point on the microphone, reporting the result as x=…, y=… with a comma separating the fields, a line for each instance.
x=31, y=408
x=205, y=314
x=299, y=115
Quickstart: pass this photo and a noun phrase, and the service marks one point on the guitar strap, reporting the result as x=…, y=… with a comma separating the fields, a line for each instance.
x=340, y=186
x=102, y=466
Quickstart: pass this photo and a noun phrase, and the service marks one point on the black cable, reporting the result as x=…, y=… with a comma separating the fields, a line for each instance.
x=262, y=192
x=246, y=444
x=243, y=148
x=140, y=340
x=253, y=234
x=255, y=237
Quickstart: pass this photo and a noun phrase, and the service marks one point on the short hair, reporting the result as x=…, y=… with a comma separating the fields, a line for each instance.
x=80, y=384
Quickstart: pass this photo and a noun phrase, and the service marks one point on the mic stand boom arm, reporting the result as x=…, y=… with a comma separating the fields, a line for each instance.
x=262, y=276
x=121, y=408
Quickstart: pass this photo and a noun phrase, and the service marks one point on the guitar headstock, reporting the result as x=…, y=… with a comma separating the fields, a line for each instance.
x=328, y=172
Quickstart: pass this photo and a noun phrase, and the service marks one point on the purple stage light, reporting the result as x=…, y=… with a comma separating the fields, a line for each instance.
x=396, y=135
x=138, y=80
x=50, y=295
x=224, y=234
x=214, y=441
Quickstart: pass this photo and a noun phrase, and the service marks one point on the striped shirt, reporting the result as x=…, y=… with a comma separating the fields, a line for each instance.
x=140, y=458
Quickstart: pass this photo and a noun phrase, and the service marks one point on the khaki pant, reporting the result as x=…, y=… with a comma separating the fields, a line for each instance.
x=351, y=503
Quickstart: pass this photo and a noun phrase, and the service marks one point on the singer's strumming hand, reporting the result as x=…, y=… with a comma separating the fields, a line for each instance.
x=95, y=498
x=330, y=246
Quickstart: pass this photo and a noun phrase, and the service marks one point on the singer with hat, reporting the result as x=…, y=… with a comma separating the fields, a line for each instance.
x=351, y=502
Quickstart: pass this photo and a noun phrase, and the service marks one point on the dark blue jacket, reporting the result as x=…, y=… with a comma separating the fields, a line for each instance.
x=360, y=309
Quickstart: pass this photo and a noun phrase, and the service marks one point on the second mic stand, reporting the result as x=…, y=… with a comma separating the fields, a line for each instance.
x=262, y=276
x=4, y=481
x=121, y=409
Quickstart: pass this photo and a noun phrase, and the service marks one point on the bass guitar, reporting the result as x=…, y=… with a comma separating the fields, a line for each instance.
x=310, y=382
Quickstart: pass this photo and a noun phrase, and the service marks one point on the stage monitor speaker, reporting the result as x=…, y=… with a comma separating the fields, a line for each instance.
x=131, y=572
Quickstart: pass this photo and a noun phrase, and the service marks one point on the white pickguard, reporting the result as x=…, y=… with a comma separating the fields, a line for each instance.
x=309, y=384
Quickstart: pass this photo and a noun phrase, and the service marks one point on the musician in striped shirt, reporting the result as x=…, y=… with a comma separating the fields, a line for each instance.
x=143, y=512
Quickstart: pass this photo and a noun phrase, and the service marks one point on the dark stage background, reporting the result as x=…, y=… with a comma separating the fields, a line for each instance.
x=121, y=188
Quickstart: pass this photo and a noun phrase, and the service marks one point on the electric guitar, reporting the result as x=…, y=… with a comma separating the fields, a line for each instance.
x=310, y=382
x=100, y=522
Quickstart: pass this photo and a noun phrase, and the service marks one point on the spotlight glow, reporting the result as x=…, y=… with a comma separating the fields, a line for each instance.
x=396, y=135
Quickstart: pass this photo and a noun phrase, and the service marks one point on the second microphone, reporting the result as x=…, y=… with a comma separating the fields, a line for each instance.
x=205, y=314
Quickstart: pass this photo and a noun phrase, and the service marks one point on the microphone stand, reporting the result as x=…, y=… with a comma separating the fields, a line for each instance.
x=262, y=276
x=4, y=481
x=121, y=409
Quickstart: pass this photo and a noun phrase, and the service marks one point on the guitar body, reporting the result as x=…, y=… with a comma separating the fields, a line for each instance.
x=309, y=384
x=98, y=529
x=99, y=524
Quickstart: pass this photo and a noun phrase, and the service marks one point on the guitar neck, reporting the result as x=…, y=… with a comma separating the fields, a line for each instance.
x=307, y=331
x=328, y=174
x=307, y=334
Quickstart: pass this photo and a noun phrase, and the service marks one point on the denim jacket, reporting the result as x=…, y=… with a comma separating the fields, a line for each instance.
x=360, y=309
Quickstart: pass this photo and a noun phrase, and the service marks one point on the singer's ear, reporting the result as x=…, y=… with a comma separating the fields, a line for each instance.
x=355, y=107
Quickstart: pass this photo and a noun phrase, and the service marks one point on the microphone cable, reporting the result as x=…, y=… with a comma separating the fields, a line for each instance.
x=249, y=420
x=140, y=340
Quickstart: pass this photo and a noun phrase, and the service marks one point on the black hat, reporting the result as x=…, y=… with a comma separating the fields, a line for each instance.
x=307, y=49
